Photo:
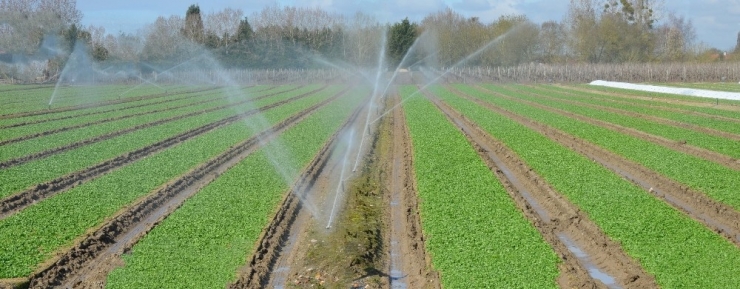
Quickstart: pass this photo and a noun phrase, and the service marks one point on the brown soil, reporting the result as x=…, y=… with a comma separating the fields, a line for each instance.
x=87, y=264
x=651, y=118
x=664, y=100
x=377, y=232
x=287, y=236
x=98, y=104
x=554, y=216
x=712, y=156
x=721, y=218
x=61, y=149
x=408, y=255
x=19, y=201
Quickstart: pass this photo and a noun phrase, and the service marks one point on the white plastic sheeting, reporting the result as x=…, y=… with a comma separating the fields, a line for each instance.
x=671, y=90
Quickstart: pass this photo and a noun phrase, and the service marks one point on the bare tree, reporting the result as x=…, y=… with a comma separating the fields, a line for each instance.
x=674, y=38
x=164, y=40
x=25, y=23
x=363, y=33
x=223, y=24
x=552, y=41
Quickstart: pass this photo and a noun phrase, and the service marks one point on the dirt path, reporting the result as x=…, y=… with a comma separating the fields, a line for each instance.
x=655, y=119
x=590, y=258
x=17, y=202
x=88, y=263
x=99, y=104
x=72, y=146
x=719, y=217
x=627, y=97
x=712, y=156
x=304, y=207
x=409, y=263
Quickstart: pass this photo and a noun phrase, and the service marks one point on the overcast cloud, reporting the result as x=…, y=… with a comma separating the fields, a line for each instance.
x=717, y=22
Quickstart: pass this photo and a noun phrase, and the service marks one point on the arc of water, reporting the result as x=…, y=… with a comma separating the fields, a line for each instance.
x=341, y=180
x=465, y=59
x=381, y=59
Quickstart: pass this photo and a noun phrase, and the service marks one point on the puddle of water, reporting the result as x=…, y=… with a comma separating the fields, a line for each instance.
x=593, y=271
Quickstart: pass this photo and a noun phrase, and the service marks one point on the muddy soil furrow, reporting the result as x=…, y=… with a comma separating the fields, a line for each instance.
x=289, y=218
x=719, y=217
x=715, y=157
x=99, y=104
x=63, y=129
x=175, y=98
x=88, y=263
x=409, y=263
x=17, y=202
x=554, y=216
x=61, y=149
x=651, y=118
x=627, y=97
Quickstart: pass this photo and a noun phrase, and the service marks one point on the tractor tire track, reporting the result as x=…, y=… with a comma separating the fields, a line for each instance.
x=75, y=145
x=719, y=217
x=561, y=223
x=17, y=202
x=409, y=262
x=712, y=156
x=262, y=263
x=87, y=264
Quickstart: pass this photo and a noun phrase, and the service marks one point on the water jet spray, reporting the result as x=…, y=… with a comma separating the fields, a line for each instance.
x=381, y=59
x=340, y=184
x=474, y=54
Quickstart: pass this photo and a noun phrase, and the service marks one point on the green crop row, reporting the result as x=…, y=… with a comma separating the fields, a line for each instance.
x=474, y=232
x=25, y=175
x=15, y=132
x=583, y=97
x=710, y=142
x=204, y=242
x=625, y=93
x=206, y=97
x=119, y=108
x=44, y=143
x=72, y=96
x=31, y=236
x=716, y=181
x=679, y=251
x=17, y=87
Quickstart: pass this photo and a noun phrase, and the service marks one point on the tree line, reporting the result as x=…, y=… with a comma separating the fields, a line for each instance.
x=593, y=31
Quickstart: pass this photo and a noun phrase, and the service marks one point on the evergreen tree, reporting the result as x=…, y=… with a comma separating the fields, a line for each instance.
x=245, y=32
x=193, y=29
x=402, y=36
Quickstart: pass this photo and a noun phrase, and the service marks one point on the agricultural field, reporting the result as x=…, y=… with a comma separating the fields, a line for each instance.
x=336, y=185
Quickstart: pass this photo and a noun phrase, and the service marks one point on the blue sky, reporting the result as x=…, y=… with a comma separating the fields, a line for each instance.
x=717, y=22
